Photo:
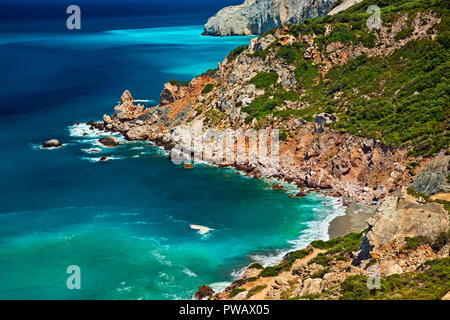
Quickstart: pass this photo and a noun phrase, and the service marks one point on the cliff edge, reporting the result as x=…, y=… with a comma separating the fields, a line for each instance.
x=255, y=17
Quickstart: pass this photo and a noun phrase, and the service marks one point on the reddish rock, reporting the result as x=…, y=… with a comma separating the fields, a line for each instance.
x=204, y=292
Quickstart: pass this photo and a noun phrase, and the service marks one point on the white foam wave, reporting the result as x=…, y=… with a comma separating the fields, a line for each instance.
x=219, y=286
x=36, y=146
x=202, y=230
x=316, y=230
x=189, y=273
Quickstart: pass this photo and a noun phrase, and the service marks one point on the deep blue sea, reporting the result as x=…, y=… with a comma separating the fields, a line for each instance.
x=127, y=222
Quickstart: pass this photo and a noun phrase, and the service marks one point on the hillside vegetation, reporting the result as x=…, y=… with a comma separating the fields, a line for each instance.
x=400, y=98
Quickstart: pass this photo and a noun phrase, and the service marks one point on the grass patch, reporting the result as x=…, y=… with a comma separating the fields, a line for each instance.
x=319, y=274
x=255, y=290
x=264, y=80
x=179, y=83
x=214, y=117
x=235, y=292
x=415, y=242
x=255, y=265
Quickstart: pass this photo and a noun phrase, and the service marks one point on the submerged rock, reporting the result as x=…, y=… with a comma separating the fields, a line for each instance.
x=53, y=143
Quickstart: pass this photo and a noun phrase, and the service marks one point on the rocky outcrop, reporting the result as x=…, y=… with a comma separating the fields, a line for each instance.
x=109, y=142
x=53, y=143
x=255, y=17
x=343, y=6
x=204, y=292
x=397, y=219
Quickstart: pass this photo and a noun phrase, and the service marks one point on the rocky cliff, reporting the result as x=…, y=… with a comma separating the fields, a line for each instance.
x=255, y=17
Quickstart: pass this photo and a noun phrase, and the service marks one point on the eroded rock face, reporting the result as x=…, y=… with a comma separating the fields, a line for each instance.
x=398, y=218
x=433, y=178
x=255, y=17
x=204, y=292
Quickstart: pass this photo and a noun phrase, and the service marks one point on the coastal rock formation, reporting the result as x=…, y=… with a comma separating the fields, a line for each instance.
x=255, y=17
x=204, y=292
x=397, y=219
x=313, y=154
x=109, y=142
x=433, y=178
x=53, y=143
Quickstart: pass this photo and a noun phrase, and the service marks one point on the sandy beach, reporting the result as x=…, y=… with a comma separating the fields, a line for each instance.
x=355, y=220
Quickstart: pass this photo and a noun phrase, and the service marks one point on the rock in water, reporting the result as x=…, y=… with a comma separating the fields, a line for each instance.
x=109, y=142
x=53, y=143
x=255, y=17
x=204, y=292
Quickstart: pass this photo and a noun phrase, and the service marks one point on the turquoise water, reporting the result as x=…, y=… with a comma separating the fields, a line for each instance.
x=127, y=222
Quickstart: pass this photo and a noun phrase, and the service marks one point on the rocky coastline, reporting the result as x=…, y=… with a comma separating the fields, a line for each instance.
x=407, y=229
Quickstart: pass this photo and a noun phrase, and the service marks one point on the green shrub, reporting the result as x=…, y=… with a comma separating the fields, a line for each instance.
x=178, y=83
x=290, y=54
x=236, y=52
x=208, y=88
x=415, y=242
x=349, y=243
x=355, y=288
x=211, y=72
x=235, y=292
x=264, y=80
x=404, y=33
x=270, y=271
x=431, y=284
x=265, y=105
x=214, y=117
x=255, y=265
x=321, y=259
x=319, y=274
x=305, y=73
x=441, y=240
x=291, y=257
x=283, y=135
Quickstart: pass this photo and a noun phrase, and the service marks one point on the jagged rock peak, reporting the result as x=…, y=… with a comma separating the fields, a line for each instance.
x=255, y=17
x=126, y=97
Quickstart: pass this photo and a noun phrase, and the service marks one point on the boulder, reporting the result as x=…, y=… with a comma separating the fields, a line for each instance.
x=109, y=142
x=53, y=143
x=311, y=286
x=204, y=292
